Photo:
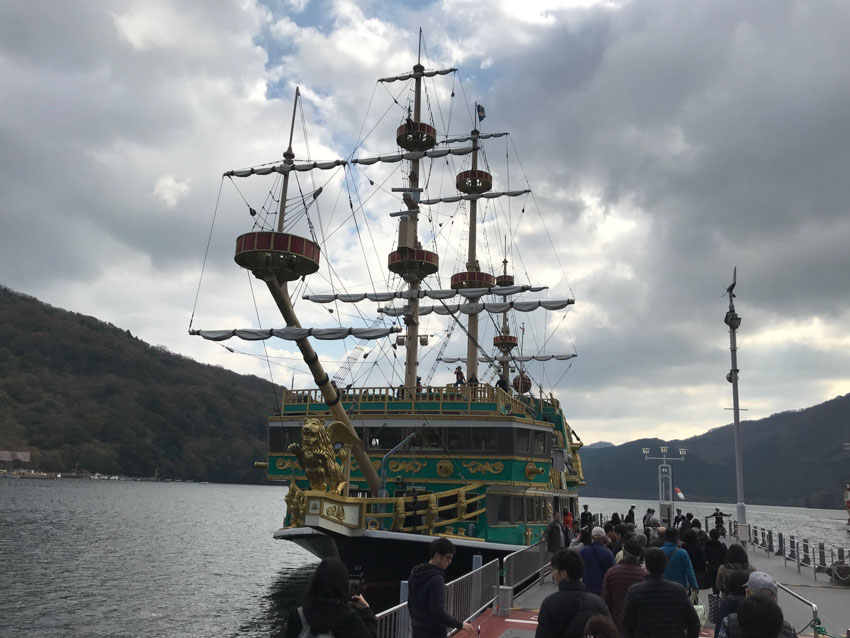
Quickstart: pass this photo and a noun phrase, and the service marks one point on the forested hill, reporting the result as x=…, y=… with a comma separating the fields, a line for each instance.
x=78, y=391
x=791, y=458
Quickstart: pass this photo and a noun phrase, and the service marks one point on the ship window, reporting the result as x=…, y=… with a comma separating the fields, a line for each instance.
x=522, y=440
x=540, y=442
x=458, y=438
x=276, y=440
x=517, y=515
x=429, y=438
x=503, y=509
x=483, y=439
x=385, y=438
x=504, y=441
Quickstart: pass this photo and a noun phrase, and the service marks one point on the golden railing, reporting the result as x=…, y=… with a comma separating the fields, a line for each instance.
x=430, y=399
x=376, y=512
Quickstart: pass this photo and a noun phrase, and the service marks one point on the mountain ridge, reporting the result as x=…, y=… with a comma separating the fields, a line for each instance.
x=790, y=458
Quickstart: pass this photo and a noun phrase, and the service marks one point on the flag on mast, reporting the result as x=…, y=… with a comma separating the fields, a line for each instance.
x=481, y=113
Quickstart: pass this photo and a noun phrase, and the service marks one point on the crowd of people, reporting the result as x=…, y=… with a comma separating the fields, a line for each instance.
x=613, y=581
x=623, y=580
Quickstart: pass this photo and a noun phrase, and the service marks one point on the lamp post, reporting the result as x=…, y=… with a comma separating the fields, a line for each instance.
x=665, y=481
x=734, y=321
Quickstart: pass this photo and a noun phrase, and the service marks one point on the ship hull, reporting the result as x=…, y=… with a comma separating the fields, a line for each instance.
x=381, y=560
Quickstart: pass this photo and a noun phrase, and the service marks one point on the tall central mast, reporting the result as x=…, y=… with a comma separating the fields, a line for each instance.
x=473, y=182
x=410, y=227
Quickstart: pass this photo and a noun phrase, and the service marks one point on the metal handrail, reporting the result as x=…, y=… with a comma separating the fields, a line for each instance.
x=466, y=597
x=815, y=622
x=525, y=563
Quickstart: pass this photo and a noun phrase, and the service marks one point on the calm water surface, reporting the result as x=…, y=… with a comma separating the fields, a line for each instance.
x=116, y=558
x=119, y=558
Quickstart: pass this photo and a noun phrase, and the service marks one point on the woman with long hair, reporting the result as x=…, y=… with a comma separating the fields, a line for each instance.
x=736, y=558
x=329, y=607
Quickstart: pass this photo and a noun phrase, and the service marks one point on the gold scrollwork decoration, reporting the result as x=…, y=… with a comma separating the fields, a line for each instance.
x=283, y=464
x=355, y=466
x=445, y=468
x=336, y=511
x=412, y=466
x=479, y=467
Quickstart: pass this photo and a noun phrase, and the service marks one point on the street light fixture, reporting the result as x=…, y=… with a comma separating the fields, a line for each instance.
x=733, y=320
x=665, y=482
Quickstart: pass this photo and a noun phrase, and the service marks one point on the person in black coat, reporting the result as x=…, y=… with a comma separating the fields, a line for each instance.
x=586, y=518
x=715, y=554
x=696, y=554
x=426, y=596
x=565, y=613
x=658, y=607
x=329, y=607
x=555, y=537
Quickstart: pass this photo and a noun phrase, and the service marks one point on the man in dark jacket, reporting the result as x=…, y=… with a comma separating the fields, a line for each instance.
x=565, y=613
x=586, y=518
x=426, y=599
x=657, y=607
x=555, y=538
x=630, y=516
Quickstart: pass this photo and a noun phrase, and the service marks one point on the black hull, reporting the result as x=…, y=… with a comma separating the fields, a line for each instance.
x=383, y=560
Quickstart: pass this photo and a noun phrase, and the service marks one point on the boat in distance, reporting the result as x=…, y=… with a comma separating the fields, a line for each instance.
x=376, y=471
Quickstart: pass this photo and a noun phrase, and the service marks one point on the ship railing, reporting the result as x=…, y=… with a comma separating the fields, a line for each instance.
x=466, y=598
x=420, y=509
x=806, y=553
x=525, y=563
x=418, y=513
x=449, y=399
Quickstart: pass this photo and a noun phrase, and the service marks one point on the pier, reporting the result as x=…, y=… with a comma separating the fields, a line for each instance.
x=510, y=610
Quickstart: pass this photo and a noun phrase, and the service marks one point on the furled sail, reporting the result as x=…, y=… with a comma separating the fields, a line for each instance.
x=466, y=138
x=296, y=334
x=502, y=358
x=421, y=74
x=489, y=195
x=497, y=307
x=283, y=167
x=412, y=155
x=469, y=293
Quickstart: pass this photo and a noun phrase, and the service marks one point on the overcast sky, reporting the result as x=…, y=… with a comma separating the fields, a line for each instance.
x=665, y=143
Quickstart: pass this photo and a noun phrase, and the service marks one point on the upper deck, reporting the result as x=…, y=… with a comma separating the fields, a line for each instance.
x=477, y=399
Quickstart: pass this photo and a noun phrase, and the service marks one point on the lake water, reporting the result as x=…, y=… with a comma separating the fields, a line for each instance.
x=85, y=558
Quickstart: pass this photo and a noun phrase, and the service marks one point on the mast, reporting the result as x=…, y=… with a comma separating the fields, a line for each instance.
x=473, y=182
x=410, y=261
x=411, y=362
x=472, y=266
x=278, y=258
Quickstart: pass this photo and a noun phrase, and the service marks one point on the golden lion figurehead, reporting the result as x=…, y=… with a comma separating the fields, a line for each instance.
x=316, y=455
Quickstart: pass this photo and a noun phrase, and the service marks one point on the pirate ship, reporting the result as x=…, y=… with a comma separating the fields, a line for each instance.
x=375, y=471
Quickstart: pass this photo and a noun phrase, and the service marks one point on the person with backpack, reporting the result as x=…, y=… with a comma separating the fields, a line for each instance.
x=426, y=598
x=329, y=609
x=565, y=613
x=598, y=559
x=736, y=558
